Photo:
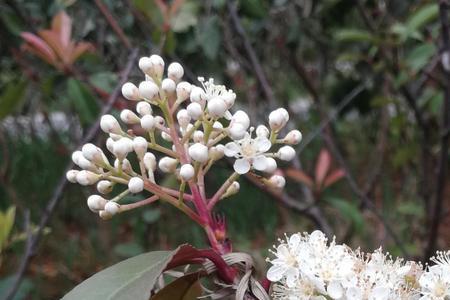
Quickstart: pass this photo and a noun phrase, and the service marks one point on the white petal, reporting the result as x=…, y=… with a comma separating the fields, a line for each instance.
x=231, y=149
x=260, y=162
x=262, y=144
x=335, y=290
x=241, y=166
x=275, y=273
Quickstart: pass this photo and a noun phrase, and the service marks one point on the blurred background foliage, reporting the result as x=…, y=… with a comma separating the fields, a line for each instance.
x=366, y=73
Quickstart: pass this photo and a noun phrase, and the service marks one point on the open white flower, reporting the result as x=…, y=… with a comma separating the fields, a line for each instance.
x=285, y=265
x=435, y=283
x=249, y=153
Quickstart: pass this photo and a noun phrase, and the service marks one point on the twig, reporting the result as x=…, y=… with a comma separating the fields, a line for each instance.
x=331, y=117
x=443, y=158
x=329, y=140
x=57, y=193
x=308, y=209
x=113, y=23
x=259, y=72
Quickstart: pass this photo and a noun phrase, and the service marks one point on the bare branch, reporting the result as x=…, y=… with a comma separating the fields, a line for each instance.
x=445, y=123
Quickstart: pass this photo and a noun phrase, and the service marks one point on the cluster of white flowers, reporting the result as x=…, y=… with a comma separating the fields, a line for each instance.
x=185, y=138
x=307, y=266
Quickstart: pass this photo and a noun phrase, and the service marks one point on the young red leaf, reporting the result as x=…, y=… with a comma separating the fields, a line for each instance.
x=80, y=49
x=334, y=177
x=62, y=25
x=39, y=47
x=52, y=39
x=300, y=176
x=322, y=166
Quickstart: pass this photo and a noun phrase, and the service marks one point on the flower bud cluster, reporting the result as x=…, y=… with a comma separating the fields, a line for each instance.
x=196, y=128
x=307, y=266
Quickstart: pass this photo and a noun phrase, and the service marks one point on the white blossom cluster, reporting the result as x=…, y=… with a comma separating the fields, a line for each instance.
x=307, y=266
x=180, y=128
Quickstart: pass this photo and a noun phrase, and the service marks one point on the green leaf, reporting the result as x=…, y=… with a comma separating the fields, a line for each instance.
x=128, y=249
x=6, y=224
x=420, y=56
x=12, y=97
x=131, y=279
x=184, y=288
x=354, y=35
x=209, y=37
x=424, y=15
x=83, y=100
x=104, y=80
x=350, y=211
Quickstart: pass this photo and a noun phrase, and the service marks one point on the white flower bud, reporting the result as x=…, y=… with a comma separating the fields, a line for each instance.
x=216, y=152
x=152, y=66
x=198, y=96
x=194, y=110
x=76, y=156
x=144, y=108
x=277, y=181
x=136, y=185
x=122, y=147
x=93, y=153
x=229, y=98
x=232, y=189
x=130, y=91
x=96, y=203
x=183, y=118
x=109, y=124
x=157, y=66
x=112, y=208
x=165, y=136
x=216, y=107
x=148, y=90
x=262, y=131
x=145, y=65
x=286, y=153
x=129, y=117
x=110, y=144
x=159, y=120
x=71, y=176
x=115, y=137
x=175, y=71
x=149, y=161
x=271, y=165
x=183, y=91
x=278, y=119
x=104, y=187
x=140, y=146
x=293, y=137
x=87, y=177
x=198, y=152
x=187, y=172
x=168, y=86
x=167, y=164
x=148, y=122
x=198, y=136
x=217, y=125
x=240, y=117
x=237, y=131
x=79, y=159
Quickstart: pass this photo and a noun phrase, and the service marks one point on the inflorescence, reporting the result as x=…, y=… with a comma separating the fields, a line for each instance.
x=307, y=266
x=182, y=129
